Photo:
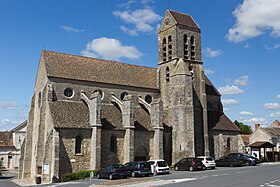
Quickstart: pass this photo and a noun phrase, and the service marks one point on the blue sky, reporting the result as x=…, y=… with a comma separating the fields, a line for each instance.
x=240, y=41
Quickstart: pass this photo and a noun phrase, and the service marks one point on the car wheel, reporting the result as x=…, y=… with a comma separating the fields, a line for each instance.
x=213, y=168
x=191, y=168
x=230, y=165
x=247, y=163
x=98, y=176
x=176, y=168
x=110, y=177
x=133, y=174
x=203, y=168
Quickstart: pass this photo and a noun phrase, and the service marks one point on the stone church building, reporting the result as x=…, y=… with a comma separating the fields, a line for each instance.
x=87, y=113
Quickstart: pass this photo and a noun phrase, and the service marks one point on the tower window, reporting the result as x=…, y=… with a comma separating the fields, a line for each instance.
x=169, y=47
x=113, y=144
x=123, y=94
x=228, y=142
x=164, y=49
x=167, y=74
x=68, y=92
x=78, y=145
x=186, y=46
x=148, y=99
x=192, y=48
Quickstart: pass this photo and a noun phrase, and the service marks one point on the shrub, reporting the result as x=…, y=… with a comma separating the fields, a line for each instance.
x=77, y=175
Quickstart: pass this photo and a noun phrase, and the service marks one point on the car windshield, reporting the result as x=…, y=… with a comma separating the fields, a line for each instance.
x=145, y=164
x=162, y=163
x=151, y=162
x=209, y=159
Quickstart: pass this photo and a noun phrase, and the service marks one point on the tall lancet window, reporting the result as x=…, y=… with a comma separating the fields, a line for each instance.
x=169, y=47
x=167, y=74
x=192, y=48
x=186, y=47
x=164, y=49
x=78, y=144
x=113, y=144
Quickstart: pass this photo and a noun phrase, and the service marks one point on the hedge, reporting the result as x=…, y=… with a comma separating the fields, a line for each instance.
x=77, y=175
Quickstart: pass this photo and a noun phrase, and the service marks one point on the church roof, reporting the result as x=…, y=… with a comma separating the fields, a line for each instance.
x=184, y=19
x=20, y=126
x=210, y=88
x=96, y=70
x=225, y=124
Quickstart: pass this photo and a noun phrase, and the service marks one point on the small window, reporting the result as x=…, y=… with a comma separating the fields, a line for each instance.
x=148, y=99
x=78, y=145
x=113, y=144
x=186, y=46
x=68, y=92
x=39, y=99
x=164, y=49
x=192, y=48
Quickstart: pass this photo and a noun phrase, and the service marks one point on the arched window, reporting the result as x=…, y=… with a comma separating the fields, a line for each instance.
x=169, y=47
x=39, y=99
x=78, y=144
x=192, y=48
x=164, y=49
x=228, y=142
x=113, y=144
x=186, y=46
x=167, y=74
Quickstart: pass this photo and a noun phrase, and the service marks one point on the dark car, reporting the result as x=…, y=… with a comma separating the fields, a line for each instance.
x=113, y=171
x=248, y=159
x=190, y=164
x=140, y=168
x=230, y=161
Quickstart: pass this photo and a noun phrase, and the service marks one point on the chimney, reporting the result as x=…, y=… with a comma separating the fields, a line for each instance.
x=257, y=126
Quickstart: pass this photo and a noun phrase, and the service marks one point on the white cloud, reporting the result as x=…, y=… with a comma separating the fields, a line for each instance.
x=7, y=124
x=209, y=72
x=276, y=46
x=272, y=106
x=256, y=121
x=8, y=105
x=111, y=49
x=242, y=81
x=70, y=29
x=229, y=101
x=247, y=46
x=246, y=113
x=275, y=115
x=213, y=53
x=255, y=17
x=143, y=20
x=278, y=96
x=226, y=109
x=227, y=90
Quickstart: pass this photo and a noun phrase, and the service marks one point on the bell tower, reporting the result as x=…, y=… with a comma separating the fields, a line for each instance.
x=183, y=92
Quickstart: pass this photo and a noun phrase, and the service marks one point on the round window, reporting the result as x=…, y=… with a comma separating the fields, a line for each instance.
x=148, y=99
x=123, y=95
x=68, y=92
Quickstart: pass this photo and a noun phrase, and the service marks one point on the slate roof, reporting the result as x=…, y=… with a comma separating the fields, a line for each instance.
x=20, y=126
x=96, y=70
x=225, y=124
x=184, y=19
x=271, y=131
x=210, y=88
x=6, y=139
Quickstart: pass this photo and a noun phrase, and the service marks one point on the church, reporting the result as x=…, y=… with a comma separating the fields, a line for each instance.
x=86, y=112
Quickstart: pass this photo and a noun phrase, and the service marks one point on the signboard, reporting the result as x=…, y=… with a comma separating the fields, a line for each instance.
x=46, y=169
x=255, y=152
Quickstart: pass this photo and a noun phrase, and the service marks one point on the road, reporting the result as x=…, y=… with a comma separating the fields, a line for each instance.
x=265, y=175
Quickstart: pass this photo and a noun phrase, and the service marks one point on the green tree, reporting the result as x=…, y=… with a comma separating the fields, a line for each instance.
x=245, y=129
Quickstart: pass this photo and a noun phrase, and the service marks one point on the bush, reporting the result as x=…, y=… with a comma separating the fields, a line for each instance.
x=77, y=175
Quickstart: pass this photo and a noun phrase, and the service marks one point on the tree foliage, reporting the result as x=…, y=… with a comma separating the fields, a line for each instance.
x=245, y=129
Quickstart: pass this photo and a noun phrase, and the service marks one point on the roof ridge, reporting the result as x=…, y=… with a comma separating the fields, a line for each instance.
x=62, y=53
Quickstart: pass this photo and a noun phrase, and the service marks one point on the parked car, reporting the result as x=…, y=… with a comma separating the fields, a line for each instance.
x=190, y=164
x=229, y=161
x=248, y=159
x=207, y=161
x=159, y=166
x=140, y=168
x=112, y=171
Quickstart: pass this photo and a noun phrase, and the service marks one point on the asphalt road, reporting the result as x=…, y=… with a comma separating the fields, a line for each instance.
x=265, y=175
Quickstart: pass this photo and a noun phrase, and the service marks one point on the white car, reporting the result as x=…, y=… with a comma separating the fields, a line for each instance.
x=207, y=161
x=159, y=166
